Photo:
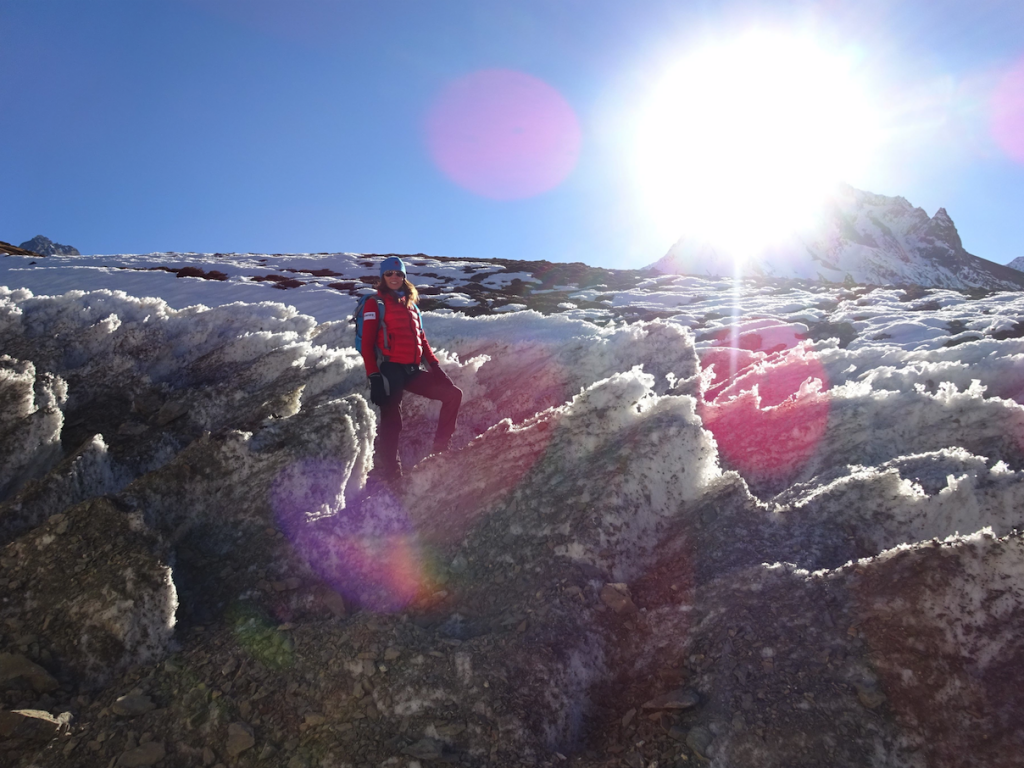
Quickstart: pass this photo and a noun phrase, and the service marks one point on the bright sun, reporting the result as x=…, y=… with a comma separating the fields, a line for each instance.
x=740, y=142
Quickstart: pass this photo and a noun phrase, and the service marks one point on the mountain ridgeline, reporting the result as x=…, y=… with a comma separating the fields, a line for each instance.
x=38, y=246
x=861, y=238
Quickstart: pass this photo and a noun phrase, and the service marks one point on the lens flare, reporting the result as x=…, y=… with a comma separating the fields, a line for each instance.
x=382, y=573
x=503, y=134
x=369, y=553
x=521, y=429
x=503, y=465
x=740, y=143
x=767, y=404
x=259, y=637
x=1007, y=113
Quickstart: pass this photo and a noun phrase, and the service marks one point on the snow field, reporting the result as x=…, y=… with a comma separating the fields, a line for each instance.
x=516, y=365
x=581, y=450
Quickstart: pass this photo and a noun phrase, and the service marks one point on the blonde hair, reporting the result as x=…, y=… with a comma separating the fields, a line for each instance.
x=412, y=296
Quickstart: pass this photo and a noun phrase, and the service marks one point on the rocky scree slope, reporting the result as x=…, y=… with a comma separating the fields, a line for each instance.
x=194, y=573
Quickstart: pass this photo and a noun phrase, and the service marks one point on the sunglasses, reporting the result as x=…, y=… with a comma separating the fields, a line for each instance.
x=392, y=273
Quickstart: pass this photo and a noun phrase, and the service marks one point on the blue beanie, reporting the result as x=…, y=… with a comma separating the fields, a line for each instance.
x=392, y=263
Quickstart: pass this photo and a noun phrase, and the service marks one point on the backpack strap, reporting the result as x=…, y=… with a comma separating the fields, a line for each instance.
x=382, y=356
x=384, y=327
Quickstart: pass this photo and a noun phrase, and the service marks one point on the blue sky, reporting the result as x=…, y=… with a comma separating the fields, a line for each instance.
x=251, y=125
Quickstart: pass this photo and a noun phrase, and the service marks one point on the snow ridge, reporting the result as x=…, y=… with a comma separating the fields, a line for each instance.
x=803, y=521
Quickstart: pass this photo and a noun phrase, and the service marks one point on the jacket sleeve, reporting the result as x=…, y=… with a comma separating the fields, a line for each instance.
x=371, y=320
x=428, y=353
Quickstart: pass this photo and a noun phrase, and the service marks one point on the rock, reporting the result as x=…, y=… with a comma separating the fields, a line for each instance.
x=334, y=602
x=146, y=403
x=677, y=733
x=132, y=705
x=617, y=597
x=169, y=412
x=18, y=672
x=150, y=753
x=267, y=752
x=699, y=740
x=111, y=599
x=424, y=749
x=240, y=738
x=869, y=695
x=60, y=524
x=32, y=724
x=683, y=698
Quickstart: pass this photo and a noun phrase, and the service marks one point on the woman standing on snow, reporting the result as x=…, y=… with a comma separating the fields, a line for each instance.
x=393, y=351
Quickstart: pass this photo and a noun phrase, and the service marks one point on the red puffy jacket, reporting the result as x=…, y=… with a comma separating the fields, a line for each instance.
x=407, y=343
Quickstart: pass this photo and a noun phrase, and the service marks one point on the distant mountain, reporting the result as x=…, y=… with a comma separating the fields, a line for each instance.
x=46, y=247
x=863, y=238
x=1017, y=264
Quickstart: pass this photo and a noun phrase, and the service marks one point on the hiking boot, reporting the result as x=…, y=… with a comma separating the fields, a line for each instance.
x=387, y=474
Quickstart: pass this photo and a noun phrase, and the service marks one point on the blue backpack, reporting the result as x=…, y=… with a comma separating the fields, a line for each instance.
x=382, y=356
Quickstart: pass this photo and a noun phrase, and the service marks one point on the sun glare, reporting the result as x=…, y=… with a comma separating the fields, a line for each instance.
x=740, y=142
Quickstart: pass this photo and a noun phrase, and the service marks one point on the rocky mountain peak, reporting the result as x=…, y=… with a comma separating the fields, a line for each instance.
x=941, y=227
x=864, y=237
x=46, y=247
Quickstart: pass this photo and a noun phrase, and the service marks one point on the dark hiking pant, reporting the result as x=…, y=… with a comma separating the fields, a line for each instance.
x=430, y=384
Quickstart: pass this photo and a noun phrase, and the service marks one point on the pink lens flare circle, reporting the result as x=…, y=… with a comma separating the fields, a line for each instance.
x=503, y=134
x=369, y=554
x=1007, y=113
x=768, y=410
